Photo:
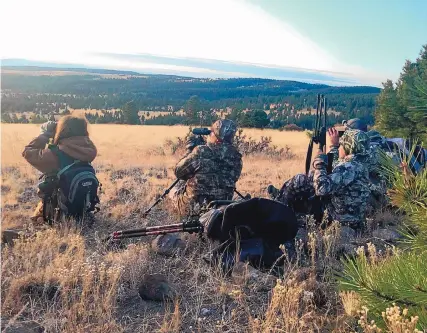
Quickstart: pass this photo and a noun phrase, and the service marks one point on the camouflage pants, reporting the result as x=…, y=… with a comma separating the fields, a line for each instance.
x=178, y=197
x=183, y=204
x=187, y=205
x=298, y=193
x=298, y=187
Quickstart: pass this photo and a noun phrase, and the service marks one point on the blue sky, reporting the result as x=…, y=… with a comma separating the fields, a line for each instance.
x=376, y=34
x=330, y=41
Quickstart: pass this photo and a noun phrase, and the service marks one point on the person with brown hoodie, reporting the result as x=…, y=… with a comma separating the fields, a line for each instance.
x=71, y=137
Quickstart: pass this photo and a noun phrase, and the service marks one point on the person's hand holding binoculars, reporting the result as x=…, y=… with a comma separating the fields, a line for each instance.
x=193, y=141
x=334, y=137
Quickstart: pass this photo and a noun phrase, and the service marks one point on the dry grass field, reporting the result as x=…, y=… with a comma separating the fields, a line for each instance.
x=143, y=147
x=68, y=281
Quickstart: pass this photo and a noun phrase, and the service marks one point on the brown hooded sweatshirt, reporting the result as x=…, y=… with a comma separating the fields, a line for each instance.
x=43, y=159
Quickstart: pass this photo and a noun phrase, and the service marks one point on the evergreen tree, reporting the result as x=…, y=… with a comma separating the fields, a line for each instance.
x=256, y=118
x=235, y=115
x=5, y=118
x=390, y=114
x=192, y=108
x=130, y=113
x=402, y=109
x=259, y=119
x=23, y=119
x=14, y=119
x=399, y=279
x=36, y=119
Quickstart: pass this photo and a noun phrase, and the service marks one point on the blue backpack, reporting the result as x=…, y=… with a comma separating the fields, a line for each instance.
x=77, y=186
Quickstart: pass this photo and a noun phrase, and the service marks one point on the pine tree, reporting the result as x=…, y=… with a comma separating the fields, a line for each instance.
x=36, y=119
x=192, y=108
x=14, y=119
x=259, y=119
x=400, y=279
x=5, y=118
x=402, y=109
x=388, y=114
x=130, y=113
x=24, y=119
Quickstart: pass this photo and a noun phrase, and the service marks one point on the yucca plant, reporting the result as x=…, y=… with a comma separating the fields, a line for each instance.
x=408, y=193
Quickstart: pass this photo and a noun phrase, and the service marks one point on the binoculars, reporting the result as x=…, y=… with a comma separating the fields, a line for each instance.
x=201, y=131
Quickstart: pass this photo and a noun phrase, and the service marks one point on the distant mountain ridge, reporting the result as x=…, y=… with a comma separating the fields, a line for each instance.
x=70, y=69
x=105, y=89
x=149, y=64
x=206, y=88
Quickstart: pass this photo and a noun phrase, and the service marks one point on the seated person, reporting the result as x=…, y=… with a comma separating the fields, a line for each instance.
x=345, y=192
x=71, y=137
x=348, y=186
x=209, y=171
x=377, y=182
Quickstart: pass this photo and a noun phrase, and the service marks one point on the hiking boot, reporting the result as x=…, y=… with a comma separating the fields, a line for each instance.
x=272, y=191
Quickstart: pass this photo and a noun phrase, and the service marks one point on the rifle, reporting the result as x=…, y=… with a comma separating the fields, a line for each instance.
x=246, y=197
x=191, y=226
x=319, y=134
x=165, y=193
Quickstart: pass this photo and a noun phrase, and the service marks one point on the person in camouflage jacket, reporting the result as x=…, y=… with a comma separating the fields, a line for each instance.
x=348, y=186
x=348, y=183
x=371, y=160
x=378, y=181
x=209, y=171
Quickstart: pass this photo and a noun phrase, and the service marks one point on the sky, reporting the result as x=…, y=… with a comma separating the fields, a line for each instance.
x=341, y=42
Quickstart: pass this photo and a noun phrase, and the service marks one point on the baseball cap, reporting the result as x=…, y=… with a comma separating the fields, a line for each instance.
x=224, y=129
x=355, y=123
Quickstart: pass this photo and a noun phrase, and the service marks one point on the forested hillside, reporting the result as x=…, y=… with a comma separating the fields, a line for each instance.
x=25, y=91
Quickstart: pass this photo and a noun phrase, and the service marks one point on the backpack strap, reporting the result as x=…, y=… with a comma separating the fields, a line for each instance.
x=65, y=161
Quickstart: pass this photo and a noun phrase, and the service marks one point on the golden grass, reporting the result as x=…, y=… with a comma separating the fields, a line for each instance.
x=98, y=289
x=124, y=146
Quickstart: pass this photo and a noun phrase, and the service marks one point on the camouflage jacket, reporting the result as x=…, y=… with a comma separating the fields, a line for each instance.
x=211, y=171
x=347, y=186
x=377, y=184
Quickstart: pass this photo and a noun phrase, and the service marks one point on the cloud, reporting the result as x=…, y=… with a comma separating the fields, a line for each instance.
x=217, y=30
x=216, y=68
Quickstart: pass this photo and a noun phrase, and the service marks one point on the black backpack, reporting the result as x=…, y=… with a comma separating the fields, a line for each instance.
x=77, y=186
x=263, y=225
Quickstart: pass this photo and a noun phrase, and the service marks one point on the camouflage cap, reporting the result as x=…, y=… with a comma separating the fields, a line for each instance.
x=355, y=123
x=355, y=142
x=224, y=129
